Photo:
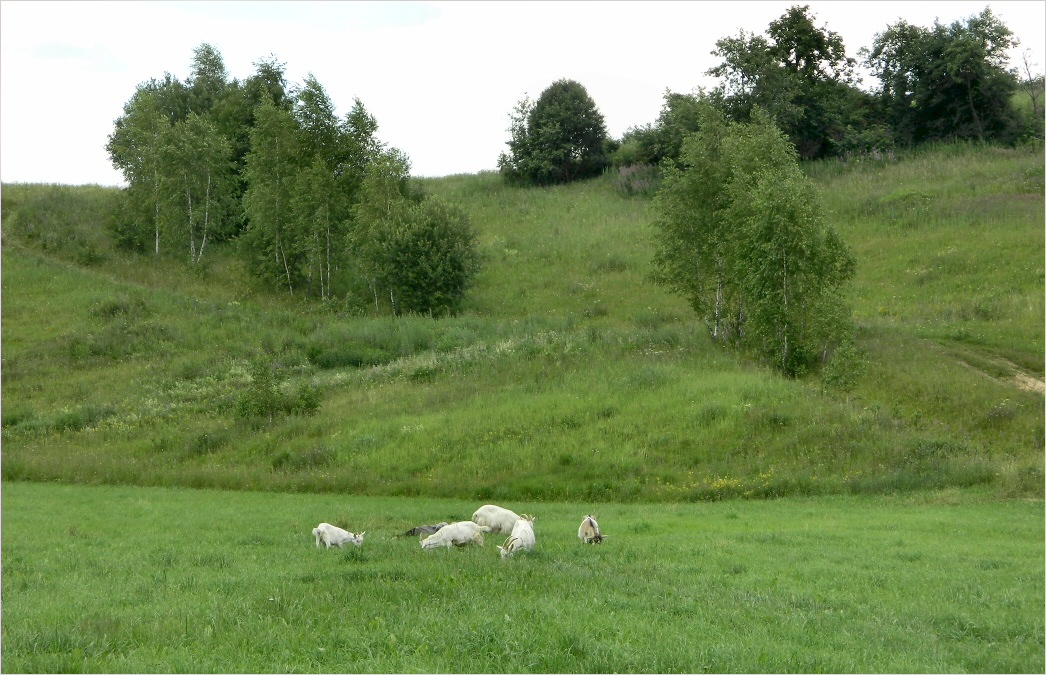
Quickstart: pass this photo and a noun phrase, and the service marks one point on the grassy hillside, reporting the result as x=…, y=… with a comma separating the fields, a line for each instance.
x=568, y=376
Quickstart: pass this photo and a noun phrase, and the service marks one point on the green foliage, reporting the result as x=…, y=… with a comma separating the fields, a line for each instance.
x=264, y=399
x=210, y=159
x=946, y=82
x=270, y=244
x=663, y=140
x=801, y=76
x=196, y=190
x=742, y=238
x=559, y=138
x=430, y=259
x=846, y=366
x=419, y=251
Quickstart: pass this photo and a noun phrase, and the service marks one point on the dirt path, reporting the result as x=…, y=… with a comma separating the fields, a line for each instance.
x=1017, y=375
x=1029, y=383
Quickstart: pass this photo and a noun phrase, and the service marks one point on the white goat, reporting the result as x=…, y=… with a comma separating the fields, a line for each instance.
x=456, y=534
x=335, y=536
x=496, y=518
x=589, y=531
x=521, y=539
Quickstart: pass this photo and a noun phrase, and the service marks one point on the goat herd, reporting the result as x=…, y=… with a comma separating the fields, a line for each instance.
x=487, y=519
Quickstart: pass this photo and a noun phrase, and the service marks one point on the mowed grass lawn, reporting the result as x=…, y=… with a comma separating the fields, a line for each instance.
x=132, y=579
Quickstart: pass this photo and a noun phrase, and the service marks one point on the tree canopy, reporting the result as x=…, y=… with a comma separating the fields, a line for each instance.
x=559, y=138
x=948, y=81
x=798, y=73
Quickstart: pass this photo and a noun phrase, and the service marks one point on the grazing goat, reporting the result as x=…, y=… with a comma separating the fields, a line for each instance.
x=589, y=531
x=335, y=536
x=456, y=534
x=496, y=518
x=521, y=539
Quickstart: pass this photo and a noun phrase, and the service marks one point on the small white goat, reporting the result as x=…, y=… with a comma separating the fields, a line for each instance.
x=521, y=539
x=335, y=536
x=456, y=534
x=589, y=531
x=496, y=518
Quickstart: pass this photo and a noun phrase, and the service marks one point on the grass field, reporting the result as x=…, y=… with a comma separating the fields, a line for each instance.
x=129, y=579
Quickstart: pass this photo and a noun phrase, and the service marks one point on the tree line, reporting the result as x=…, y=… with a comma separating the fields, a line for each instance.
x=942, y=83
x=316, y=204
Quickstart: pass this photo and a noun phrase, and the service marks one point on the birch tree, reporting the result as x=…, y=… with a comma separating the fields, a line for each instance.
x=694, y=235
x=273, y=163
x=317, y=223
x=135, y=148
x=320, y=207
x=742, y=237
x=197, y=163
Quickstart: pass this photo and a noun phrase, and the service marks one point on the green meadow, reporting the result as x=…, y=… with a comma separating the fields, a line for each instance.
x=131, y=579
x=889, y=519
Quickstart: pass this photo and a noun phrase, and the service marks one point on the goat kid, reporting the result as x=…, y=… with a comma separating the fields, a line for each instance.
x=589, y=531
x=335, y=536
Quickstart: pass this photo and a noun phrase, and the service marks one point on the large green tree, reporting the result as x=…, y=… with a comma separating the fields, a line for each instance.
x=233, y=110
x=742, y=238
x=948, y=81
x=798, y=73
x=559, y=138
x=208, y=80
x=320, y=208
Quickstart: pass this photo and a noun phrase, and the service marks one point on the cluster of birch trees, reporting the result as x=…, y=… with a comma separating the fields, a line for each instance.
x=317, y=205
x=742, y=237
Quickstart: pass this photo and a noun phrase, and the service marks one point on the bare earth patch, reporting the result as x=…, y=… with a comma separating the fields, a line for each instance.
x=1029, y=383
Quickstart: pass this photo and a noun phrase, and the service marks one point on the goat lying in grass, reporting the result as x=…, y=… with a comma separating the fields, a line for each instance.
x=496, y=518
x=521, y=539
x=422, y=529
x=589, y=531
x=456, y=534
x=335, y=536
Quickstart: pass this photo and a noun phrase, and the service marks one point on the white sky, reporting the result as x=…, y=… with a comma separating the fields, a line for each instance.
x=440, y=77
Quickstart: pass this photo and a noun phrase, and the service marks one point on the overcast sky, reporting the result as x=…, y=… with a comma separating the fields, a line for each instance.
x=440, y=77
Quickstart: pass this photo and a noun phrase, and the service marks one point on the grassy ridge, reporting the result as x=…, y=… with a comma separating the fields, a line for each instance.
x=132, y=579
x=569, y=376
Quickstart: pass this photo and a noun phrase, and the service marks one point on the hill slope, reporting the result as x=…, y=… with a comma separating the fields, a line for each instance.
x=567, y=377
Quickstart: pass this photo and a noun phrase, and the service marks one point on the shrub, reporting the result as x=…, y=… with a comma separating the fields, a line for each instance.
x=423, y=256
x=263, y=399
x=642, y=180
x=309, y=459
